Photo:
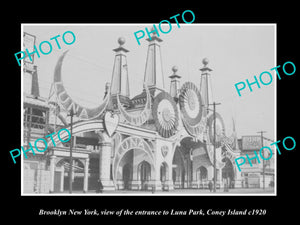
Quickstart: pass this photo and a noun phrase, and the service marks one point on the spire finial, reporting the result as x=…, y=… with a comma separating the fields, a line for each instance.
x=174, y=75
x=152, y=29
x=205, y=61
x=174, y=69
x=121, y=41
x=154, y=36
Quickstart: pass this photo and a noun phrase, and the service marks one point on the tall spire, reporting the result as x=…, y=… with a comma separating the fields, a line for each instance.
x=205, y=83
x=119, y=81
x=153, y=77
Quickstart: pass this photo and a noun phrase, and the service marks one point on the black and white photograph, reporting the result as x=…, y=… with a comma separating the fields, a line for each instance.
x=150, y=114
x=163, y=117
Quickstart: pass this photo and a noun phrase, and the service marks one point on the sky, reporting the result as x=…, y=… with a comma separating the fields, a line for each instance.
x=236, y=52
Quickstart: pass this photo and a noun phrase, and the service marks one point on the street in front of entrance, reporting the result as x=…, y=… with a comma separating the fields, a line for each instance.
x=236, y=191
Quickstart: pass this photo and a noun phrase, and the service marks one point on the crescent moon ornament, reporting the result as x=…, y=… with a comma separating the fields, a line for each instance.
x=68, y=103
x=142, y=117
x=165, y=114
x=190, y=104
x=220, y=129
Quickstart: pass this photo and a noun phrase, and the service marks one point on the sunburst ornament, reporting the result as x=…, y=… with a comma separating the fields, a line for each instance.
x=165, y=114
x=190, y=104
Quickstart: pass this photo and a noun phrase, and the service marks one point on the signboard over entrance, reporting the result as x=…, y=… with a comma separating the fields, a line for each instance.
x=251, y=142
x=133, y=143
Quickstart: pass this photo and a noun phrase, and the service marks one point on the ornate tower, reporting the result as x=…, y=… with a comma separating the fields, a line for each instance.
x=205, y=83
x=153, y=72
x=119, y=81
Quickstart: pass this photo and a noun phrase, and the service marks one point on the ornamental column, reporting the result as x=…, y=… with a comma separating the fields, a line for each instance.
x=52, y=172
x=170, y=176
x=169, y=170
x=104, y=165
x=153, y=76
x=157, y=185
x=220, y=180
x=175, y=83
x=86, y=175
x=120, y=82
x=62, y=178
x=238, y=178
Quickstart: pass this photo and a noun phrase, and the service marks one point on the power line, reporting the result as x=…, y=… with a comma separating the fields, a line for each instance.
x=76, y=95
x=215, y=160
x=262, y=144
x=69, y=87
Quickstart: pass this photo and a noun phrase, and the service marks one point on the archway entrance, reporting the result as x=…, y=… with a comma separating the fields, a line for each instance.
x=228, y=173
x=145, y=174
x=127, y=176
x=61, y=175
x=93, y=171
x=137, y=153
x=202, y=174
x=164, y=172
x=135, y=171
x=164, y=176
x=191, y=164
x=202, y=177
x=178, y=169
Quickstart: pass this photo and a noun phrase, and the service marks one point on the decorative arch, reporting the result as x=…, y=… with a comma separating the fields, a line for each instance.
x=210, y=152
x=116, y=140
x=80, y=127
x=229, y=169
x=164, y=172
x=177, y=142
x=231, y=155
x=144, y=163
x=127, y=175
x=126, y=145
x=202, y=173
x=178, y=173
x=61, y=161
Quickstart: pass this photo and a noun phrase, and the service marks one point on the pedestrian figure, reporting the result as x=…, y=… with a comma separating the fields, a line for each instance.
x=210, y=185
x=99, y=186
x=225, y=187
x=153, y=189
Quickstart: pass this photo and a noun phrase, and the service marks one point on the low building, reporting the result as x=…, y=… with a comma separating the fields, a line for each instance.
x=36, y=175
x=256, y=172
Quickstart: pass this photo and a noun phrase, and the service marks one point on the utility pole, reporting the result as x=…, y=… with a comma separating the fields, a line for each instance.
x=262, y=144
x=71, y=156
x=214, y=144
